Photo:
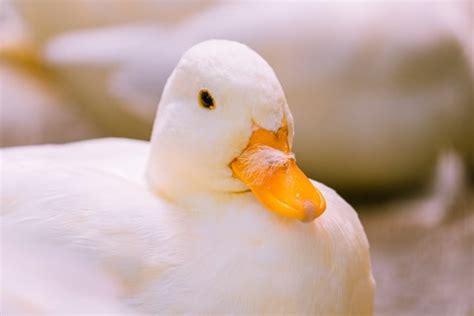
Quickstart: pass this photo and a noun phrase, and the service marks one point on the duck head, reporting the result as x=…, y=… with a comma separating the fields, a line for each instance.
x=224, y=126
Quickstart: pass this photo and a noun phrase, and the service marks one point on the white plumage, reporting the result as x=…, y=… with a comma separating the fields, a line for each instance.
x=43, y=275
x=263, y=161
x=180, y=244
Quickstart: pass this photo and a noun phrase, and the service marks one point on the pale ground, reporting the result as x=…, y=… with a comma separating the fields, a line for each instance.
x=423, y=247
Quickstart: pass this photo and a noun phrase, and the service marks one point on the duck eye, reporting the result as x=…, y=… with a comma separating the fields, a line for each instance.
x=206, y=100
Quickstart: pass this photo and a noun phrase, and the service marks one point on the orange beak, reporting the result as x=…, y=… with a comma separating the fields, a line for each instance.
x=269, y=169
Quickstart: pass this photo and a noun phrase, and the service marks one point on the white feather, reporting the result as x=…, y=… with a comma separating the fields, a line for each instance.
x=262, y=161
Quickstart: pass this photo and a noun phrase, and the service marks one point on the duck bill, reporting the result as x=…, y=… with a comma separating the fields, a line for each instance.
x=268, y=168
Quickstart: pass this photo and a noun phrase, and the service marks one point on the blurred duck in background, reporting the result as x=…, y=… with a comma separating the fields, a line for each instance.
x=374, y=104
x=47, y=18
x=33, y=107
x=53, y=104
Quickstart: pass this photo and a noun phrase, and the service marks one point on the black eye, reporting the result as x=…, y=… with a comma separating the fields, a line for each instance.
x=206, y=100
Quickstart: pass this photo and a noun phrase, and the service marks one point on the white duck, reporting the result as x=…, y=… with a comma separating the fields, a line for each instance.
x=190, y=237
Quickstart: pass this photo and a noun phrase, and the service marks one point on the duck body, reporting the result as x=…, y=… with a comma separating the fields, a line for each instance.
x=239, y=258
x=212, y=215
x=43, y=275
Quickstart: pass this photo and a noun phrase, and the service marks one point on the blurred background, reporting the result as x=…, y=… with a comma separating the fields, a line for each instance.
x=381, y=94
